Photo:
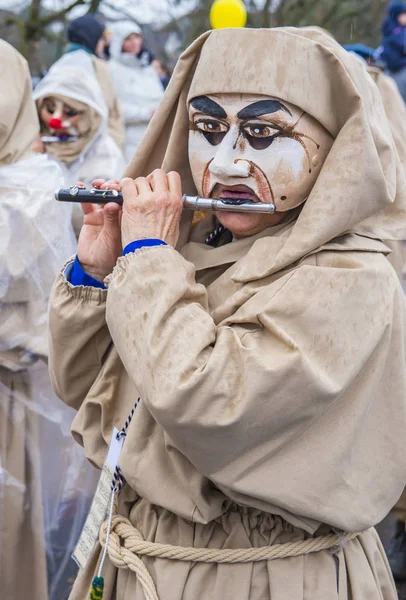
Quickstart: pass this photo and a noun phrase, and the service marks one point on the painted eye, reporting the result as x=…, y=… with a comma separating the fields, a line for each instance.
x=213, y=131
x=260, y=136
x=70, y=112
x=259, y=131
x=50, y=108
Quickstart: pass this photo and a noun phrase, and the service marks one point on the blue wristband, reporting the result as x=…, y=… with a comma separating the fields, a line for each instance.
x=133, y=246
x=79, y=277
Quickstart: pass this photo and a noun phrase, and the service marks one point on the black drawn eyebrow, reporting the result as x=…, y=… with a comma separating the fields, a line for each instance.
x=263, y=107
x=209, y=107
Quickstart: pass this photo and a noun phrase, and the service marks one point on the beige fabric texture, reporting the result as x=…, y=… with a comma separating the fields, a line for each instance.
x=116, y=123
x=396, y=113
x=271, y=370
x=22, y=553
x=19, y=125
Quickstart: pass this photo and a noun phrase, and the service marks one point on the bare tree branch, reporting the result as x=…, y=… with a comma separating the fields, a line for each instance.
x=265, y=13
x=94, y=6
x=59, y=15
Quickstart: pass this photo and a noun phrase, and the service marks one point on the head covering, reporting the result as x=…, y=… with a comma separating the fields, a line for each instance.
x=18, y=116
x=86, y=31
x=360, y=187
x=119, y=32
x=72, y=79
x=395, y=109
x=391, y=21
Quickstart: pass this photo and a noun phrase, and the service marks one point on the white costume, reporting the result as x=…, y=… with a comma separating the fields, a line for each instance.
x=73, y=77
x=137, y=86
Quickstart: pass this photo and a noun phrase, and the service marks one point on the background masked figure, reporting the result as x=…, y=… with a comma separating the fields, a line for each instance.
x=74, y=125
x=35, y=236
x=136, y=82
x=271, y=369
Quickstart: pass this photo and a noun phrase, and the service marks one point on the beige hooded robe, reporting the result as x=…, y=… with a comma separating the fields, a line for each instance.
x=396, y=113
x=35, y=235
x=271, y=370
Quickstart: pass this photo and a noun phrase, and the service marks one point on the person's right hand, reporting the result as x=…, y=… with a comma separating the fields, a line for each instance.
x=99, y=244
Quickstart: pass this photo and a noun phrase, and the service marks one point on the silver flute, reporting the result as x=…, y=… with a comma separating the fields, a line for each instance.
x=96, y=196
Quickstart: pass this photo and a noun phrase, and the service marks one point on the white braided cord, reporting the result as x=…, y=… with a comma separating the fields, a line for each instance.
x=126, y=545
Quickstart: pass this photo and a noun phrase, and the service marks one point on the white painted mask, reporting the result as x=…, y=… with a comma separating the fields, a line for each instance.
x=253, y=147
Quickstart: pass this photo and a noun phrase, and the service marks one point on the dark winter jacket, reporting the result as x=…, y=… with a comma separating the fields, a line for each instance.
x=394, y=38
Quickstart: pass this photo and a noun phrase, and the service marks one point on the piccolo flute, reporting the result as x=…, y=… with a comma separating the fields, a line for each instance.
x=96, y=196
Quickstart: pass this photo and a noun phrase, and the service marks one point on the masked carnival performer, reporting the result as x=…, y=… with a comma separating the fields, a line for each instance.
x=135, y=80
x=268, y=350
x=74, y=122
x=34, y=237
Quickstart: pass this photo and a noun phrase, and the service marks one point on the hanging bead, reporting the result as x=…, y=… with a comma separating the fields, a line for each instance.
x=96, y=591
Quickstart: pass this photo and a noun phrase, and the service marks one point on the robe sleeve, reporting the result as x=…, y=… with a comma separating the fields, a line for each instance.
x=304, y=384
x=78, y=339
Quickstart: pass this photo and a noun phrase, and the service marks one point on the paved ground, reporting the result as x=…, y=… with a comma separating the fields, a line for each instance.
x=385, y=529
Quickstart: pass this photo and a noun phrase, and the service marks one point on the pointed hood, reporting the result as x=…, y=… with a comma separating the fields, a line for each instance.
x=19, y=124
x=119, y=32
x=73, y=78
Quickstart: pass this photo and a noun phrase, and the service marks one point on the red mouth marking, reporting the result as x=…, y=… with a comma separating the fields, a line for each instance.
x=236, y=192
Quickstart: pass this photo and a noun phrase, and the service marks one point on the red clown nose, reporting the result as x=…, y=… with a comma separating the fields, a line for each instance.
x=55, y=123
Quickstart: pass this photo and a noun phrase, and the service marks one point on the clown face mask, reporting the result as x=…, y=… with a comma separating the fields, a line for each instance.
x=254, y=148
x=67, y=126
x=60, y=119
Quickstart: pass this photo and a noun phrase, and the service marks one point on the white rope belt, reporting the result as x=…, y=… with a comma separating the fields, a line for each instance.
x=126, y=545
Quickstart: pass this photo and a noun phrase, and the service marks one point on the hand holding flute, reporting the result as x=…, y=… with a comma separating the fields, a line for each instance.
x=99, y=244
x=152, y=209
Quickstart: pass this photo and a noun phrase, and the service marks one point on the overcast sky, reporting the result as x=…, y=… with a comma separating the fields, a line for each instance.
x=144, y=11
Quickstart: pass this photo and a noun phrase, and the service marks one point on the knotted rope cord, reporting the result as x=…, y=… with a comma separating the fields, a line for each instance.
x=126, y=544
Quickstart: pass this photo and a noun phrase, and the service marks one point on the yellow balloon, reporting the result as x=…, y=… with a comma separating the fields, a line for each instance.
x=228, y=13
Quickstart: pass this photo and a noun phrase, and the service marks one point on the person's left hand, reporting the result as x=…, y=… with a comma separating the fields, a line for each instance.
x=152, y=207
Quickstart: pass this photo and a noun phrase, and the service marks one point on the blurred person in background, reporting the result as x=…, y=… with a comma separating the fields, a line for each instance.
x=136, y=82
x=74, y=123
x=163, y=72
x=394, y=44
x=134, y=44
x=87, y=35
x=36, y=235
